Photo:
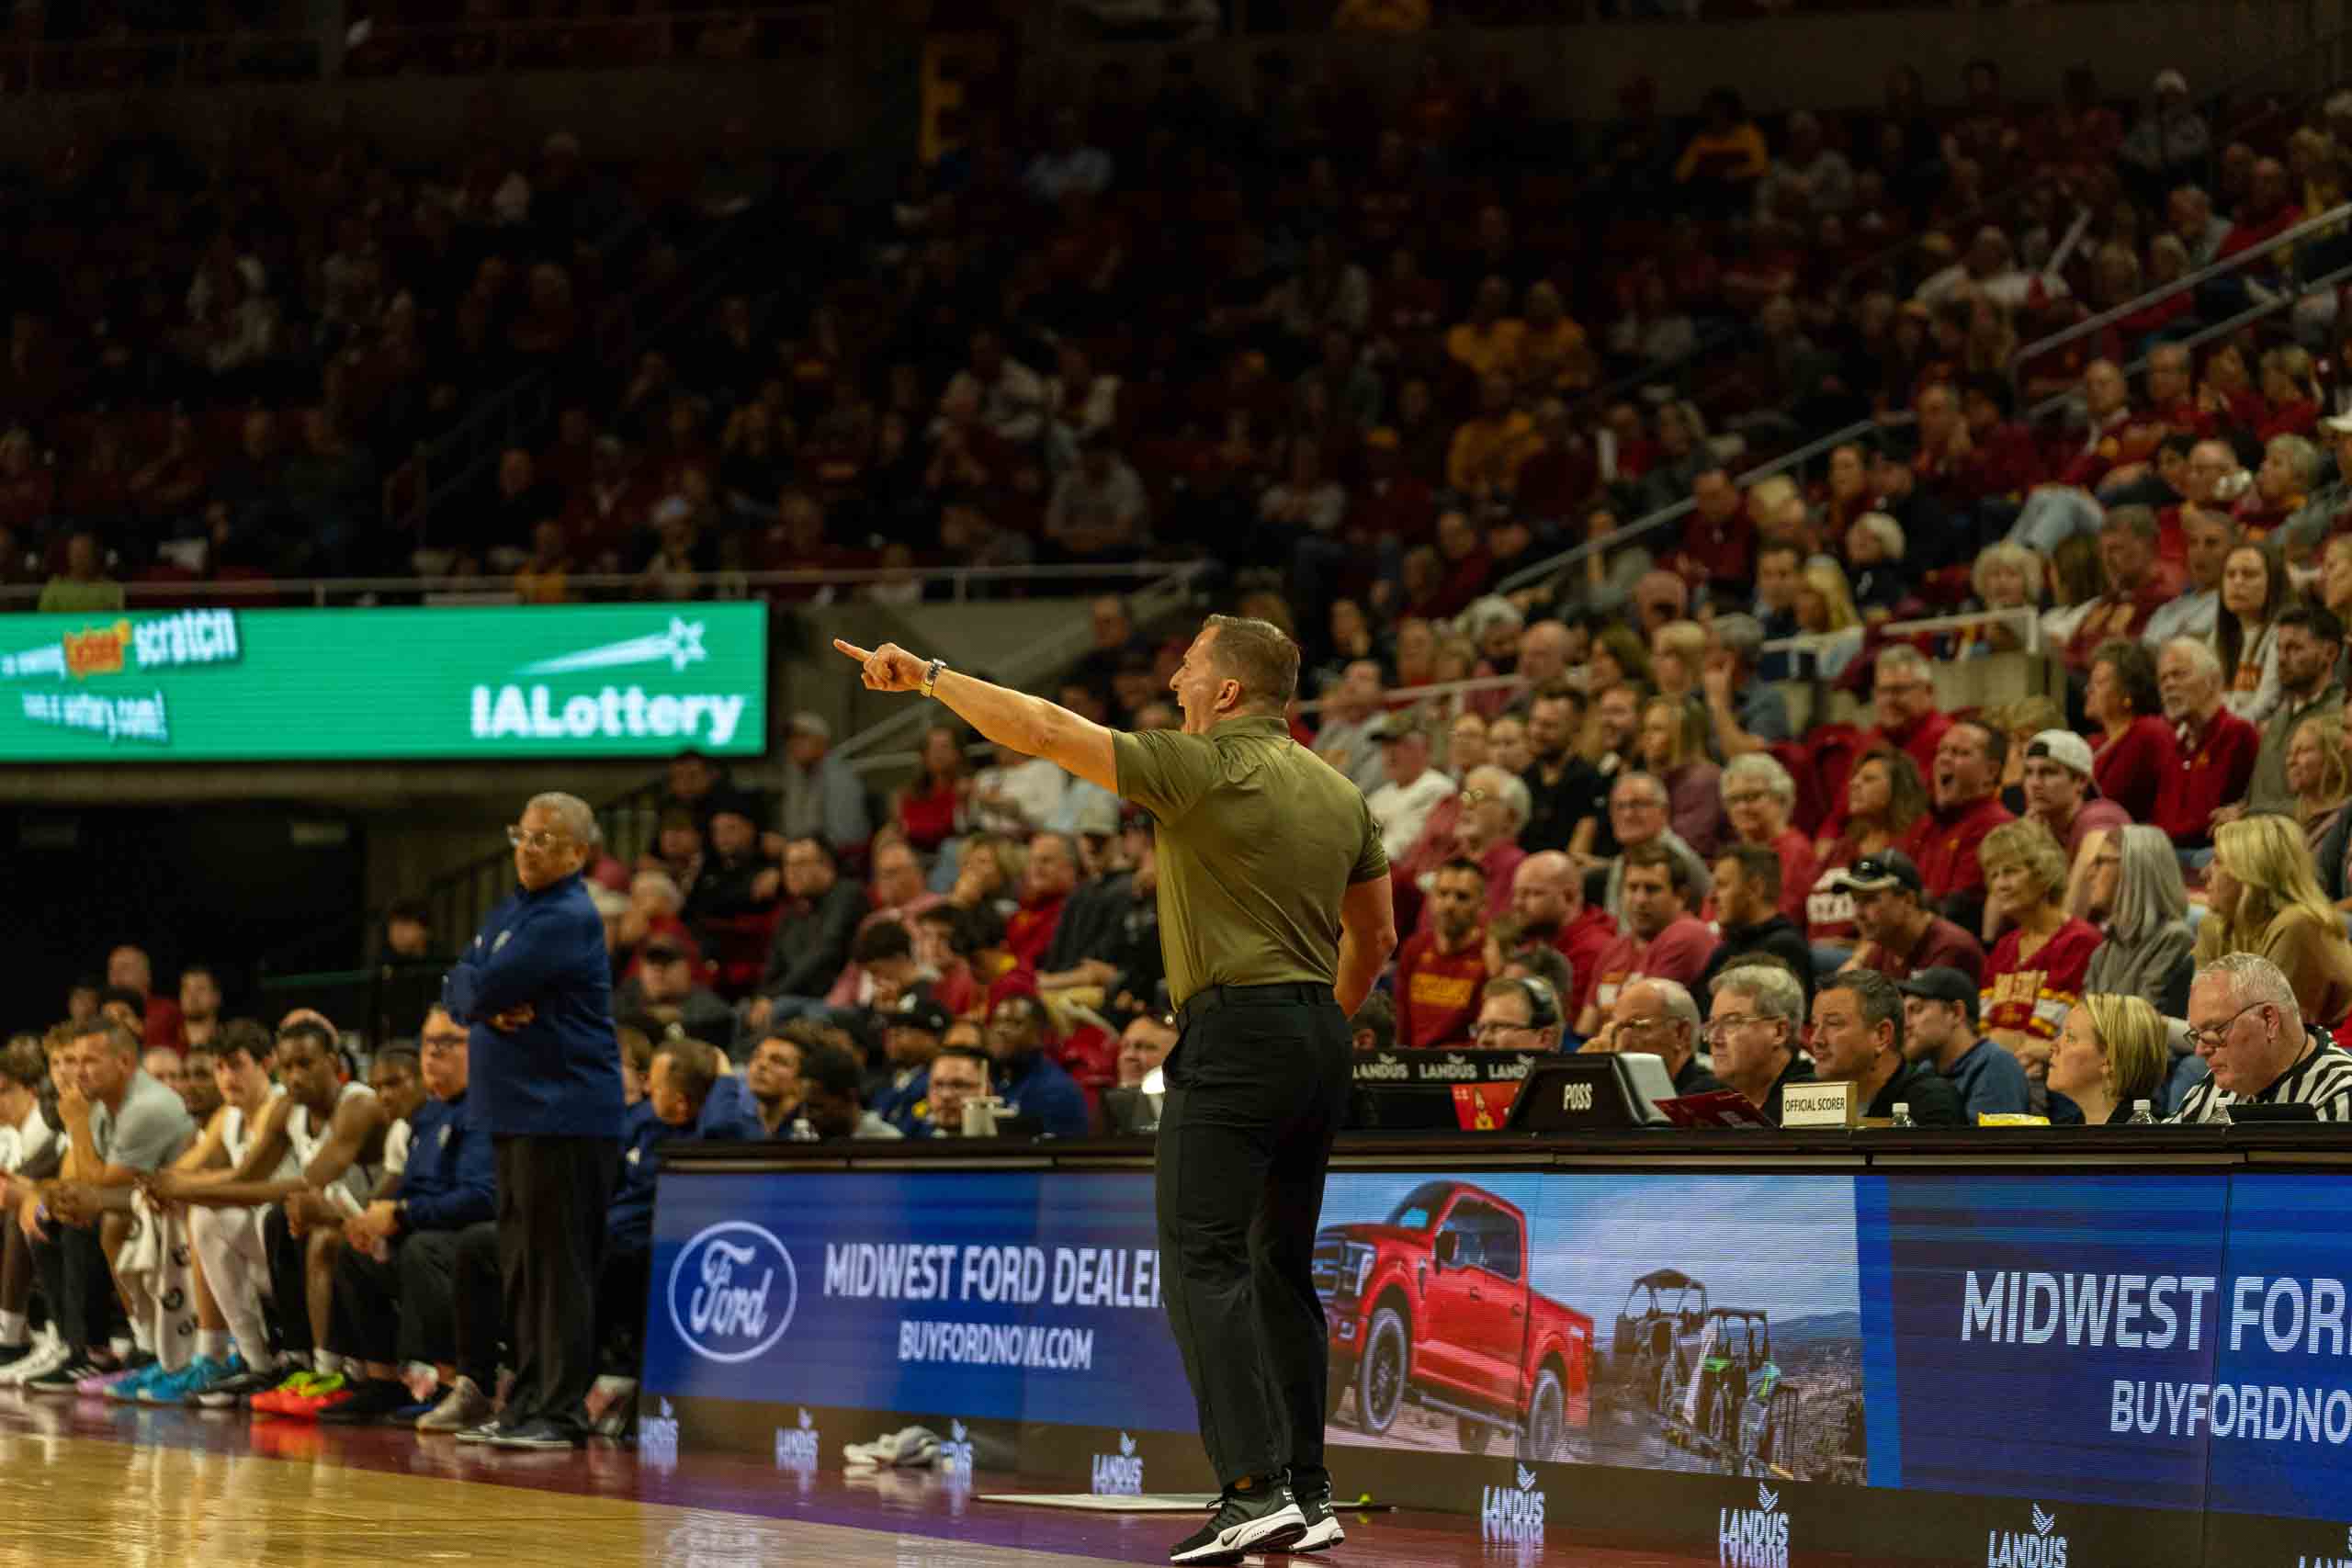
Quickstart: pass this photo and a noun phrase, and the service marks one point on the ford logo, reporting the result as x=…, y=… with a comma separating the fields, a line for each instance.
x=732, y=1292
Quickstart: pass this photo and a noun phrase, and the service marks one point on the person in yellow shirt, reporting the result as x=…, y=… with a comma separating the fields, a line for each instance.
x=1487, y=450
x=1486, y=342
x=1727, y=155
x=1551, y=355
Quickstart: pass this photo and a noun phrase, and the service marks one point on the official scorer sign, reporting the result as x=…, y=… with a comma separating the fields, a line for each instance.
x=428, y=684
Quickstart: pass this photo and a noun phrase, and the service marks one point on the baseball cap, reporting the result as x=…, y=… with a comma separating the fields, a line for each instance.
x=2337, y=424
x=921, y=1012
x=1395, y=727
x=2170, y=78
x=1876, y=873
x=1941, y=985
x=2064, y=746
x=806, y=723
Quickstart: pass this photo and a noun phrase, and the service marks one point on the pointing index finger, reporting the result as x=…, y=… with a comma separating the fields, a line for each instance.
x=852, y=649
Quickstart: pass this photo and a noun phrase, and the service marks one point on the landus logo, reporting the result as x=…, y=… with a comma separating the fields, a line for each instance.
x=2307, y=1561
x=796, y=1446
x=1513, y=1516
x=657, y=1437
x=2045, y=1548
x=1754, y=1538
x=531, y=711
x=1119, y=1474
x=955, y=1453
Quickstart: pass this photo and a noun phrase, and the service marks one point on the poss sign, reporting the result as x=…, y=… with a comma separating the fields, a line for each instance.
x=389, y=684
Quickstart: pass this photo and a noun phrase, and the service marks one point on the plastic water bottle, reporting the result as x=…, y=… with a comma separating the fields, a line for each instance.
x=1903, y=1114
x=2140, y=1117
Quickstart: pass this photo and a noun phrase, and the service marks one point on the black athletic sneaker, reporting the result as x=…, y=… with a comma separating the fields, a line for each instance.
x=1323, y=1531
x=1264, y=1519
x=231, y=1392
x=67, y=1379
x=373, y=1401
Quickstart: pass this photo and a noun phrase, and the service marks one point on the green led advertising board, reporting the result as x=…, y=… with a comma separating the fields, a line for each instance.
x=442, y=683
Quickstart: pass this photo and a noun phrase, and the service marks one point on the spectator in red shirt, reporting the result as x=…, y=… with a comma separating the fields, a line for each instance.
x=1759, y=795
x=1718, y=537
x=1902, y=933
x=2035, y=972
x=2137, y=750
x=2000, y=458
x=2135, y=587
x=1439, y=971
x=128, y=969
x=1966, y=784
x=2058, y=771
x=1046, y=888
x=2217, y=749
x=1664, y=941
x=1547, y=896
x=2107, y=400
x=1494, y=808
x=1908, y=719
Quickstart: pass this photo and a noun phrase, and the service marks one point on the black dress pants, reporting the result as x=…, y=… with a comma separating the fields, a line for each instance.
x=1257, y=1086
x=397, y=1311
x=77, y=1284
x=477, y=1305
x=289, y=1285
x=552, y=1194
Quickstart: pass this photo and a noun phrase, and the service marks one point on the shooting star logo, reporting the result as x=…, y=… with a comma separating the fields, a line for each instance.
x=680, y=645
x=1766, y=1498
x=1126, y=1446
x=2044, y=1523
x=1526, y=1479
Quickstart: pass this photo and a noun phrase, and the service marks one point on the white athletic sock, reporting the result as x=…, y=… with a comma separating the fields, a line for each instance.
x=327, y=1363
x=120, y=1346
x=212, y=1344
x=14, y=1328
x=144, y=1336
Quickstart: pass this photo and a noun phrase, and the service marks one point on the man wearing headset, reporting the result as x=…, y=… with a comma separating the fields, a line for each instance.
x=1518, y=1014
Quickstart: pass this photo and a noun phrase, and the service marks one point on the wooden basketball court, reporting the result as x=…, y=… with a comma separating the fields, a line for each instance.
x=108, y=1486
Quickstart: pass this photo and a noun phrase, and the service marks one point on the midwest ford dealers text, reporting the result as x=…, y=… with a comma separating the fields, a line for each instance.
x=2137, y=1312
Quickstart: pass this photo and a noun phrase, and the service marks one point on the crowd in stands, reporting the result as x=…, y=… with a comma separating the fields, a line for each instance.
x=1375, y=357
x=1347, y=356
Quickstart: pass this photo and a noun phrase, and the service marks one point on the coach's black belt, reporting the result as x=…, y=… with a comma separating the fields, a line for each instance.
x=1208, y=998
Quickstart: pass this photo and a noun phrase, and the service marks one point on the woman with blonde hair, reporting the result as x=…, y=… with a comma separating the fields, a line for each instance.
x=2035, y=971
x=1825, y=613
x=2006, y=576
x=2110, y=1055
x=2265, y=898
x=2320, y=773
x=1673, y=747
x=2128, y=882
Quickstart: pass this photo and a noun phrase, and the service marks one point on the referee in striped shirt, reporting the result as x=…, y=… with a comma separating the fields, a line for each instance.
x=2244, y=1021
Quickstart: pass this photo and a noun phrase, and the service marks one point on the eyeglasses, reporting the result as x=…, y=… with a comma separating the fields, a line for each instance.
x=1749, y=797
x=1492, y=1030
x=1718, y=1028
x=1638, y=803
x=544, y=838
x=2210, y=1038
x=1473, y=796
x=1641, y=1024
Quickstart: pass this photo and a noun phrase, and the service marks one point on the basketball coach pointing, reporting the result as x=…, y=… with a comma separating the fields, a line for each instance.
x=1275, y=918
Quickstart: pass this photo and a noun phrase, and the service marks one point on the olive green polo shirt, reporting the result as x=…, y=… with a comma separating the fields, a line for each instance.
x=1258, y=841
